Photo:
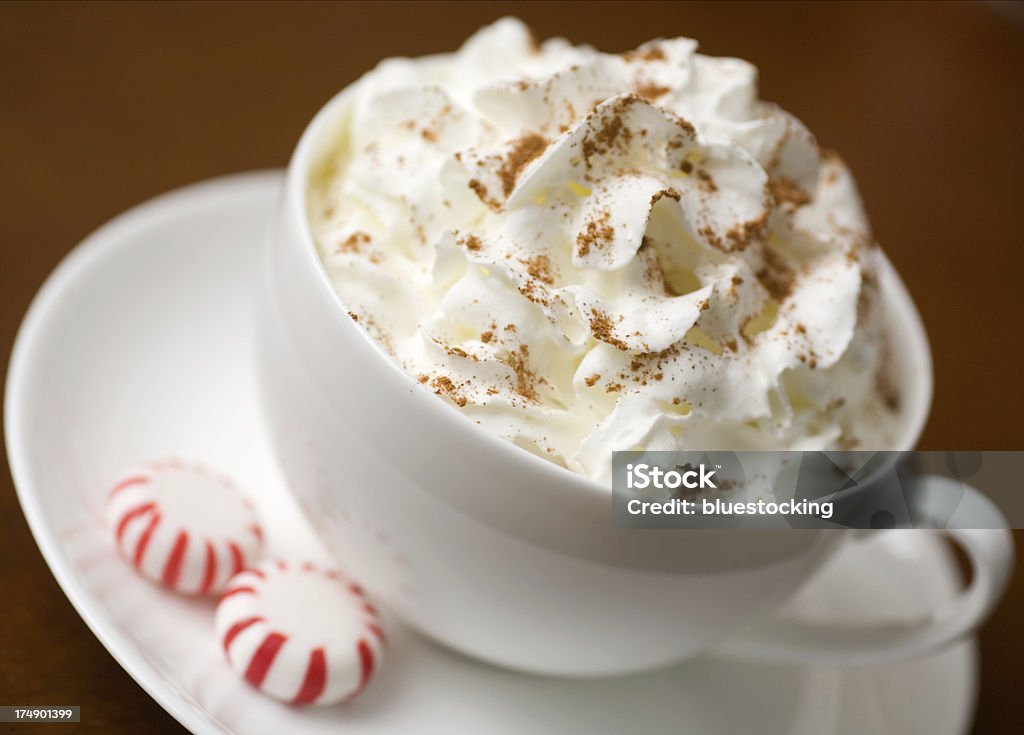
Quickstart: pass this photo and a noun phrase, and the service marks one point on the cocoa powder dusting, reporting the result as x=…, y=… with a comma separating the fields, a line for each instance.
x=481, y=191
x=458, y=352
x=776, y=276
x=526, y=379
x=539, y=267
x=443, y=386
x=652, y=91
x=741, y=235
x=596, y=233
x=523, y=151
x=734, y=286
x=353, y=243
x=787, y=193
x=536, y=293
x=885, y=380
x=613, y=132
x=705, y=182
x=651, y=53
x=659, y=195
x=603, y=328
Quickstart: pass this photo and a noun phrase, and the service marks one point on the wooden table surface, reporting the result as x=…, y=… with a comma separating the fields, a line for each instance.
x=103, y=106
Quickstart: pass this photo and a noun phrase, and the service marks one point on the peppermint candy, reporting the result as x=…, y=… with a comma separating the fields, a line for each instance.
x=300, y=633
x=183, y=525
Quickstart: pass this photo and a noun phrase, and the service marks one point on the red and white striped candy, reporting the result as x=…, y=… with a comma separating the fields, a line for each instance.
x=183, y=526
x=300, y=633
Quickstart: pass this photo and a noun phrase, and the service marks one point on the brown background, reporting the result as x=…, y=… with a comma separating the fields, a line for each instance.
x=103, y=106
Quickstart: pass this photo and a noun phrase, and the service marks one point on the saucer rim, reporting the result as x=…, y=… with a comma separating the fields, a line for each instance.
x=103, y=243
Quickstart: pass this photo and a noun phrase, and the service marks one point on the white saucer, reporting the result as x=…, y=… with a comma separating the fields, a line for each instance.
x=138, y=347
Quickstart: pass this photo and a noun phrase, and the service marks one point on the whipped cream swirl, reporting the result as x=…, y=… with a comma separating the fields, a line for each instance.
x=587, y=252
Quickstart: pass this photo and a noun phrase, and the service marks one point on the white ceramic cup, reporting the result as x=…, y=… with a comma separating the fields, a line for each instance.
x=509, y=558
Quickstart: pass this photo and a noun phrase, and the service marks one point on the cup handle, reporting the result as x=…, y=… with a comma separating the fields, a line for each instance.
x=990, y=550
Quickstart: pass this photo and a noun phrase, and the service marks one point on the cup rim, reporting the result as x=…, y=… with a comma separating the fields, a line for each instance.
x=903, y=323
